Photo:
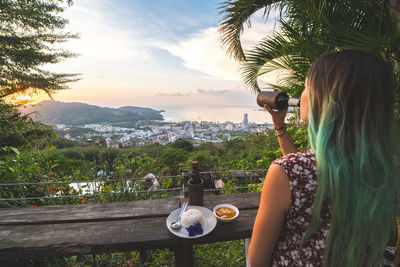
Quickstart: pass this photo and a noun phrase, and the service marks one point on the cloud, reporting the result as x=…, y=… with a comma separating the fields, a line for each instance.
x=212, y=92
x=204, y=98
x=178, y=94
x=122, y=64
x=100, y=38
x=203, y=50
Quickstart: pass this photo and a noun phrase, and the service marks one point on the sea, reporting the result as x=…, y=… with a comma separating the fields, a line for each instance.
x=215, y=114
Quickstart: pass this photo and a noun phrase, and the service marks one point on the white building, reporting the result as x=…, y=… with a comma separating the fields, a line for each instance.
x=229, y=127
x=226, y=136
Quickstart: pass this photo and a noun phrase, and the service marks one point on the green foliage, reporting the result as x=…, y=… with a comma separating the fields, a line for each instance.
x=207, y=159
x=235, y=15
x=50, y=170
x=299, y=135
x=80, y=163
x=28, y=32
x=17, y=130
x=183, y=144
x=308, y=29
x=39, y=172
x=172, y=159
x=65, y=143
x=145, y=164
x=230, y=253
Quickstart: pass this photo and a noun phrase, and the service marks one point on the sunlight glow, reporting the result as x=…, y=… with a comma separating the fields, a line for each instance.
x=29, y=96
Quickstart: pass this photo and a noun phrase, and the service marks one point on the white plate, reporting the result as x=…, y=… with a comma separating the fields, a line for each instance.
x=209, y=222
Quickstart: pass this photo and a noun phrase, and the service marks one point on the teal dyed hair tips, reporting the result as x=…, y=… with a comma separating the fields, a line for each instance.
x=351, y=133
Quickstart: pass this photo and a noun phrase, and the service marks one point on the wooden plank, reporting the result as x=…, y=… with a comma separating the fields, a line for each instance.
x=105, y=228
x=241, y=228
x=84, y=238
x=109, y=236
x=242, y=201
x=89, y=212
x=116, y=210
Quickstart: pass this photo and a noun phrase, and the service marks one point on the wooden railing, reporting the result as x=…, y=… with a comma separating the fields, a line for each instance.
x=114, y=227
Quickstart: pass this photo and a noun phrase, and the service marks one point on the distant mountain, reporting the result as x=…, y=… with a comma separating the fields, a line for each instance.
x=73, y=113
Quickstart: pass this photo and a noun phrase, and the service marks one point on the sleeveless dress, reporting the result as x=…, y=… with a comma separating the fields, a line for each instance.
x=300, y=167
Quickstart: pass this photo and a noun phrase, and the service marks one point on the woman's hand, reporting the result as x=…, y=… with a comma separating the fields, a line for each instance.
x=278, y=116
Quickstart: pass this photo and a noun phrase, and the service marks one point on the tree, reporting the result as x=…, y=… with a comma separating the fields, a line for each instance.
x=172, y=158
x=183, y=144
x=308, y=29
x=29, y=31
x=17, y=130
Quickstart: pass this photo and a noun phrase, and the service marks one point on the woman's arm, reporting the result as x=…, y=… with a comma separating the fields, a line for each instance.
x=278, y=119
x=274, y=203
x=285, y=142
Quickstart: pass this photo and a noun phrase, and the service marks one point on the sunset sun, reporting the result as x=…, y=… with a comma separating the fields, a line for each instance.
x=20, y=97
x=29, y=96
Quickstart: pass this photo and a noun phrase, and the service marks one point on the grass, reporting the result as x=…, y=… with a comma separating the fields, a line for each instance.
x=230, y=253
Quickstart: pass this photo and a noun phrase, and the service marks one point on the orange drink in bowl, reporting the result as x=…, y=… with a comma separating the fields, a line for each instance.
x=226, y=212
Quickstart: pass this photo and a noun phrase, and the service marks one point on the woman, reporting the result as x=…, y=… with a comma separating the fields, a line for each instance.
x=332, y=205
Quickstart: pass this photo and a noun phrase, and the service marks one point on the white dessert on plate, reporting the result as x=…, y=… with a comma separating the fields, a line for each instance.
x=193, y=221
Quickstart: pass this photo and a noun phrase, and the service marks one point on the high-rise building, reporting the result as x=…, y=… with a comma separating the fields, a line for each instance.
x=245, y=120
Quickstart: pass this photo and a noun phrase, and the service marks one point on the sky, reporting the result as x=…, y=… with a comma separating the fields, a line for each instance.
x=164, y=54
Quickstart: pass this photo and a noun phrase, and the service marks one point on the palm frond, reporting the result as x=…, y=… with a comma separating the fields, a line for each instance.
x=293, y=89
x=267, y=50
x=309, y=29
x=235, y=15
x=281, y=51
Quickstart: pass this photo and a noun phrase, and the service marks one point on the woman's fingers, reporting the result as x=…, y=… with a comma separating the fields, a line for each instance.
x=278, y=116
x=268, y=109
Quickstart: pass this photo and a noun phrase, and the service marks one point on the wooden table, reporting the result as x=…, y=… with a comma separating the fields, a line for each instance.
x=114, y=227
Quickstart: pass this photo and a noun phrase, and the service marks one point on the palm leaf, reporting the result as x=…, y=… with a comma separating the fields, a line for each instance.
x=310, y=28
x=284, y=52
x=235, y=14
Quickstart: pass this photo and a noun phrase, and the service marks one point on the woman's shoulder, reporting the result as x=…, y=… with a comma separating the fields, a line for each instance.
x=297, y=162
x=301, y=156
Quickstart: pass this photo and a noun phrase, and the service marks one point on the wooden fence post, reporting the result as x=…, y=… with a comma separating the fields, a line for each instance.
x=246, y=247
x=184, y=256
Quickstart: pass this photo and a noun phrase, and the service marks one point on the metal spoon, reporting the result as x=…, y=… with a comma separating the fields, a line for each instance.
x=177, y=224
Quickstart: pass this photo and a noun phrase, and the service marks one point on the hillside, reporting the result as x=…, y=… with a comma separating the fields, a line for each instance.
x=73, y=113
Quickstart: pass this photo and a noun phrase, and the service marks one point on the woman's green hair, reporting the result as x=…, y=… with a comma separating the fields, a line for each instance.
x=351, y=121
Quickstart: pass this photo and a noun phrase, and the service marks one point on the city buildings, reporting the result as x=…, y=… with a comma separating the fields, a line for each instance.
x=152, y=132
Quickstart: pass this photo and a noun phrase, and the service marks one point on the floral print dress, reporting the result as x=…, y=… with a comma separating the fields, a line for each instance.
x=300, y=167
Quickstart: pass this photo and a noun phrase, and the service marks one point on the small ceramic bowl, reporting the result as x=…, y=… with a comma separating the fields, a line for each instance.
x=228, y=206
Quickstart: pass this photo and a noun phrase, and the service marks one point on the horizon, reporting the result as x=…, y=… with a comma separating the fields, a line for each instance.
x=150, y=54
x=169, y=113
